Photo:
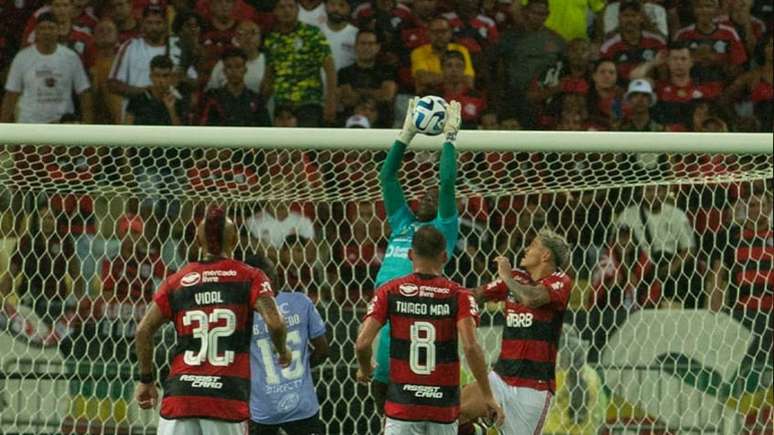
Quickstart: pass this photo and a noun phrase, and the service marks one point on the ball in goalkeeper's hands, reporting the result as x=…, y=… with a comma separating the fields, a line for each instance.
x=430, y=115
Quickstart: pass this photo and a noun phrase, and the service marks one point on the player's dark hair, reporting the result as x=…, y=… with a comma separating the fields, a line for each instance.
x=182, y=18
x=679, y=45
x=428, y=242
x=161, y=62
x=214, y=229
x=367, y=31
x=233, y=52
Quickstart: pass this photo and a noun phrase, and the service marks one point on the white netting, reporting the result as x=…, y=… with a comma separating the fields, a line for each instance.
x=88, y=232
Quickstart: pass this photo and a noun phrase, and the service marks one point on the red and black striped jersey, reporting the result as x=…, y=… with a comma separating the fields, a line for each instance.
x=627, y=57
x=675, y=103
x=724, y=42
x=423, y=311
x=750, y=260
x=211, y=305
x=531, y=335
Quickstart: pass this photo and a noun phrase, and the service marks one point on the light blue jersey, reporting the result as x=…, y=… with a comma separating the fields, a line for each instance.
x=280, y=395
x=403, y=223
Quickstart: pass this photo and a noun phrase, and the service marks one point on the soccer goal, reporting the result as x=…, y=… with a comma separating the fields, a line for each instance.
x=668, y=330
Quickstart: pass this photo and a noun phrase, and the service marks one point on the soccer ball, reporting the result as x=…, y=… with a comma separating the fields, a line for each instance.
x=430, y=115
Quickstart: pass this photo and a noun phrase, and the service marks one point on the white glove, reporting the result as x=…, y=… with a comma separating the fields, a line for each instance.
x=453, y=119
x=408, y=131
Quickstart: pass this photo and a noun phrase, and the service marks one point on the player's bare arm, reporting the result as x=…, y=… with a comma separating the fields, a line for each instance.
x=533, y=296
x=363, y=349
x=266, y=306
x=146, y=394
x=319, y=351
x=466, y=329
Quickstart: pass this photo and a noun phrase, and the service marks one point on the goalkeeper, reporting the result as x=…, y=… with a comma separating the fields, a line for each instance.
x=437, y=207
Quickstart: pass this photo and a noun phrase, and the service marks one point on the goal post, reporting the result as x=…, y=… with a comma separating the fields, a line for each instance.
x=662, y=331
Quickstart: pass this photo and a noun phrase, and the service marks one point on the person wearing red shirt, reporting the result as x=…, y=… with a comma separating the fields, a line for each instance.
x=471, y=27
x=679, y=93
x=631, y=45
x=428, y=315
x=455, y=88
x=211, y=304
x=756, y=85
x=716, y=48
x=536, y=296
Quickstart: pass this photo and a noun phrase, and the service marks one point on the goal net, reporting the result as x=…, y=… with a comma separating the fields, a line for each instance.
x=668, y=329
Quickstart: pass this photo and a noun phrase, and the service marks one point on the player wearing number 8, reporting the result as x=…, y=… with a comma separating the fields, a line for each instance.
x=428, y=314
x=211, y=304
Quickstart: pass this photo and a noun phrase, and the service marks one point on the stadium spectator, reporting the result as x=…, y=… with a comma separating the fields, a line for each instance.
x=220, y=29
x=655, y=18
x=631, y=45
x=677, y=94
x=42, y=79
x=664, y=232
x=411, y=21
x=749, y=28
x=456, y=87
x=222, y=172
x=741, y=268
x=43, y=258
x=340, y=33
x=298, y=268
x=233, y=104
x=294, y=68
x=368, y=108
x=285, y=117
x=79, y=14
x=573, y=113
x=377, y=16
x=312, y=12
x=605, y=96
x=523, y=54
x=71, y=35
x=426, y=59
x=275, y=222
x=476, y=31
x=366, y=78
x=569, y=75
x=248, y=39
x=756, y=85
x=187, y=27
x=160, y=103
x=570, y=20
x=489, y=120
x=121, y=13
x=130, y=74
x=717, y=51
x=639, y=99
x=107, y=105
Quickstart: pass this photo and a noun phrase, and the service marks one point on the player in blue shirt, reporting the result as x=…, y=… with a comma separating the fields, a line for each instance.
x=437, y=208
x=286, y=398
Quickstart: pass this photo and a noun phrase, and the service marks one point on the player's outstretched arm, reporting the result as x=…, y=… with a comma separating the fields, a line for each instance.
x=145, y=393
x=267, y=308
x=475, y=356
x=533, y=296
x=447, y=201
x=363, y=349
x=392, y=193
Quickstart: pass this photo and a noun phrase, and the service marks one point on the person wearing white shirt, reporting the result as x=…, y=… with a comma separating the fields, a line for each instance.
x=43, y=78
x=312, y=12
x=248, y=38
x=665, y=233
x=272, y=225
x=340, y=33
x=130, y=73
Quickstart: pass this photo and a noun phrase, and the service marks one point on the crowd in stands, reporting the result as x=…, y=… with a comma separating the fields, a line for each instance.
x=649, y=66
x=631, y=65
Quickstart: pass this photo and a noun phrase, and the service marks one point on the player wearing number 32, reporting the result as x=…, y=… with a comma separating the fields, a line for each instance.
x=428, y=315
x=211, y=304
x=535, y=298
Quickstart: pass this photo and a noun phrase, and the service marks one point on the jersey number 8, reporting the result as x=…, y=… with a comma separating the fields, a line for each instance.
x=422, y=339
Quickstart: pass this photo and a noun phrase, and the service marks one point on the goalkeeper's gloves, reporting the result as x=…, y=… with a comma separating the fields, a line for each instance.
x=453, y=119
x=408, y=131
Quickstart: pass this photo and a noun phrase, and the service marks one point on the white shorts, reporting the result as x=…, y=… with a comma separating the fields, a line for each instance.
x=200, y=426
x=525, y=408
x=400, y=427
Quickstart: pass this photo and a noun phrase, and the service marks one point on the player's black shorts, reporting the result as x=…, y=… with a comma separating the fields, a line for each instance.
x=307, y=426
